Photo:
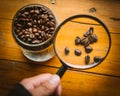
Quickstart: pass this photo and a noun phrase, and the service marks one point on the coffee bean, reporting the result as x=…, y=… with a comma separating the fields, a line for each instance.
x=52, y=24
x=83, y=40
x=87, y=59
x=52, y=29
x=26, y=13
x=77, y=40
x=18, y=25
x=34, y=30
x=66, y=51
x=86, y=43
x=29, y=24
x=20, y=33
x=97, y=59
x=91, y=30
x=32, y=36
x=88, y=49
x=34, y=23
x=23, y=15
x=36, y=34
x=35, y=41
x=77, y=52
x=95, y=37
x=86, y=34
x=91, y=39
x=37, y=11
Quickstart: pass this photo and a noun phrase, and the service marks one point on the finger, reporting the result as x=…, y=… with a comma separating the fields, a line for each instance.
x=58, y=90
x=47, y=88
x=35, y=81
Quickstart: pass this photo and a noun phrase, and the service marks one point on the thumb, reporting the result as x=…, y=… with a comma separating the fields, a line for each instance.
x=48, y=87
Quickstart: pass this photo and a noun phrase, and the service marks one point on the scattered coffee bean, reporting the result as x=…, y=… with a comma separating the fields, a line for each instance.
x=67, y=50
x=86, y=34
x=34, y=23
x=95, y=37
x=77, y=52
x=86, y=43
x=91, y=39
x=87, y=59
x=97, y=59
x=83, y=40
x=91, y=30
x=77, y=40
x=88, y=49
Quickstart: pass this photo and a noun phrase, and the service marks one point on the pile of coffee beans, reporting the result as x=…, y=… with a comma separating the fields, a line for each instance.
x=89, y=37
x=34, y=24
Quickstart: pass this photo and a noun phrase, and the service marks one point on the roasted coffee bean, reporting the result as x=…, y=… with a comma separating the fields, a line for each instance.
x=34, y=30
x=88, y=49
x=95, y=37
x=83, y=40
x=26, y=13
x=37, y=11
x=86, y=43
x=86, y=34
x=91, y=39
x=29, y=24
x=77, y=52
x=36, y=34
x=77, y=40
x=91, y=30
x=32, y=36
x=66, y=51
x=87, y=59
x=29, y=39
x=18, y=25
x=35, y=41
x=20, y=33
x=23, y=15
x=52, y=29
x=97, y=59
x=34, y=22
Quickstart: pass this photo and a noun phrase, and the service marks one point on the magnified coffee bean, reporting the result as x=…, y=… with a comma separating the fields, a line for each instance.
x=87, y=59
x=95, y=37
x=91, y=39
x=86, y=43
x=88, y=49
x=77, y=52
x=97, y=59
x=86, y=34
x=77, y=40
x=67, y=50
x=91, y=30
x=83, y=40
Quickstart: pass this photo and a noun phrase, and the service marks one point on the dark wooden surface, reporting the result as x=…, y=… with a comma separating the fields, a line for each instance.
x=103, y=80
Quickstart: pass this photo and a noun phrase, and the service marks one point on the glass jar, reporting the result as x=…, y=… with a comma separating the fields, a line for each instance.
x=33, y=28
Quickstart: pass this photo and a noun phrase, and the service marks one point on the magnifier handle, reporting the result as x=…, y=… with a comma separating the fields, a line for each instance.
x=61, y=71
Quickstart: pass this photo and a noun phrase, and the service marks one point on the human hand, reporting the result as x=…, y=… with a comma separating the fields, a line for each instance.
x=43, y=85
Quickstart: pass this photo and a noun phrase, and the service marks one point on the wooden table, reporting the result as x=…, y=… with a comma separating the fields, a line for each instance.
x=103, y=80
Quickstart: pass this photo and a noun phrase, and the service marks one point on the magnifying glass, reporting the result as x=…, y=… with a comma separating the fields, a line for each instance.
x=82, y=42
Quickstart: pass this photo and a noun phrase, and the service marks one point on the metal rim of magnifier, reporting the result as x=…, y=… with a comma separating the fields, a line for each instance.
x=82, y=66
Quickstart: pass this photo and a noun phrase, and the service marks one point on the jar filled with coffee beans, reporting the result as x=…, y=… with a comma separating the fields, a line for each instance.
x=33, y=28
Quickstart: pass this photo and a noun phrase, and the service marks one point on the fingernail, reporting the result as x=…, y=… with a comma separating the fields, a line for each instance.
x=55, y=79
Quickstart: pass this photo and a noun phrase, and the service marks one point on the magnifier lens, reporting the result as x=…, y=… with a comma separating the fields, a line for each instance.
x=77, y=27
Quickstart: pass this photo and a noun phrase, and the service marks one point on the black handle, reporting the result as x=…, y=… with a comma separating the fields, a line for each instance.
x=61, y=71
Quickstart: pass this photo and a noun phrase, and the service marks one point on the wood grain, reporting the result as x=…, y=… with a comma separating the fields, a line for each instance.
x=103, y=80
x=11, y=51
x=73, y=82
x=64, y=9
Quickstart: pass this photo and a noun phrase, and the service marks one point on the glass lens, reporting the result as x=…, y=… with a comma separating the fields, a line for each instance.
x=82, y=42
